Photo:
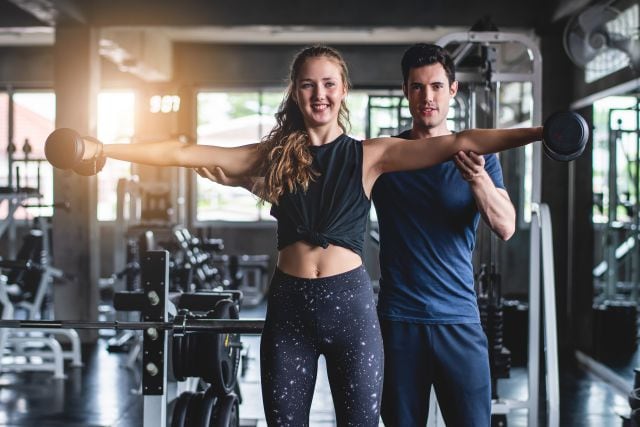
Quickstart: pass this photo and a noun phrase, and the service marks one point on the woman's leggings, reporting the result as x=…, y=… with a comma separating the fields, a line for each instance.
x=334, y=316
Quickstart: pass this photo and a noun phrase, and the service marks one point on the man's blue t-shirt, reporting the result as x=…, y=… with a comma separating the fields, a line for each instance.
x=428, y=220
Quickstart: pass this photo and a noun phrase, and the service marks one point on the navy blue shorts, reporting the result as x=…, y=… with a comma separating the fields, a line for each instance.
x=334, y=316
x=452, y=358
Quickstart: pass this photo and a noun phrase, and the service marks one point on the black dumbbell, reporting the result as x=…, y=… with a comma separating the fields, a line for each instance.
x=65, y=148
x=565, y=136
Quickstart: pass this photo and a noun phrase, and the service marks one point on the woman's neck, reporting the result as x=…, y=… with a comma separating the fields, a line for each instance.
x=324, y=135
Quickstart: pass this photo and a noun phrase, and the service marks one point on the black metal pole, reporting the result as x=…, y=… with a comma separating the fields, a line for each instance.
x=236, y=326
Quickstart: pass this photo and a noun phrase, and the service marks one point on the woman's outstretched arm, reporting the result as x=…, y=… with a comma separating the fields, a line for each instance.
x=234, y=161
x=395, y=154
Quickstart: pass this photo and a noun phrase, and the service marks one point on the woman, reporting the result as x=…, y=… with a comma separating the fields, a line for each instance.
x=319, y=181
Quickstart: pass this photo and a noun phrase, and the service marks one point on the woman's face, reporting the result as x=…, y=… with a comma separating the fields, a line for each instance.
x=319, y=91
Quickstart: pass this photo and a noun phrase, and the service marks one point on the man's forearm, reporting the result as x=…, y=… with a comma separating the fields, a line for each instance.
x=494, y=206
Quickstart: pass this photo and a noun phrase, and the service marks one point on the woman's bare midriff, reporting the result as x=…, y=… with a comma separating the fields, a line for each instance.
x=310, y=262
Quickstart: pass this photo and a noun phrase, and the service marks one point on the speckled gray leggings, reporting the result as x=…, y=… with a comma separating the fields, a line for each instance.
x=334, y=316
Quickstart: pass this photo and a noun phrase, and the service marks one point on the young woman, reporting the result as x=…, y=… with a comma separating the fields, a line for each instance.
x=319, y=181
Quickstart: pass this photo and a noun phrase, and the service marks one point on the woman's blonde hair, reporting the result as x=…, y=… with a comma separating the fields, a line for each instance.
x=286, y=158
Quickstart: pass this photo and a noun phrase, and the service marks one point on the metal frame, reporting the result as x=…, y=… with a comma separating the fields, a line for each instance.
x=541, y=238
x=155, y=281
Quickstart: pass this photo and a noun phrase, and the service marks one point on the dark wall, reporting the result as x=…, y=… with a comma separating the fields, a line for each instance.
x=329, y=12
x=32, y=67
x=26, y=66
x=581, y=248
x=225, y=66
x=12, y=16
x=229, y=66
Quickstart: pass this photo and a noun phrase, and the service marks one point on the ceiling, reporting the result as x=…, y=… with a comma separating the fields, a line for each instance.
x=255, y=34
x=32, y=22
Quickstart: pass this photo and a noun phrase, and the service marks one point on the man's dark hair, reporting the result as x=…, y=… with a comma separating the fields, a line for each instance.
x=427, y=54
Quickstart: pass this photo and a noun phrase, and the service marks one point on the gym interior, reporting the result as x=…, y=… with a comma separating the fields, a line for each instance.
x=91, y=336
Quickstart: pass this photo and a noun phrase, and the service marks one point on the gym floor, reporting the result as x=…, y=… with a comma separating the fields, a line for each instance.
x=104, y=393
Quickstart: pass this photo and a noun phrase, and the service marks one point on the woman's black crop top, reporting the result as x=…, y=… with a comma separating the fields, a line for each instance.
x=334, y=209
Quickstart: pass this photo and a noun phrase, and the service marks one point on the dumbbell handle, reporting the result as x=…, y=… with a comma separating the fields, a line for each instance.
x=93, y=148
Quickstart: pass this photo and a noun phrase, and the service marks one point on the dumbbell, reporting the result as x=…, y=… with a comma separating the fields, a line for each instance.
x=565, y=135
x=65, y=149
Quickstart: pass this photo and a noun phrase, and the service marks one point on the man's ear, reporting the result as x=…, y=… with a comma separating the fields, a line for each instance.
x=404, y=90
x=453, y=89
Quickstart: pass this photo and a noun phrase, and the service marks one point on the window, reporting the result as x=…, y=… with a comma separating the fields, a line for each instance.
x=33, y=121
x=615, y=123
x=4, y=137
x=357, y=104
x=116, y=112
x=230, y=119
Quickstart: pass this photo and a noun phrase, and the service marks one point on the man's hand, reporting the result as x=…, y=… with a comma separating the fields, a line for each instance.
x=471, y=165
x=217, y=175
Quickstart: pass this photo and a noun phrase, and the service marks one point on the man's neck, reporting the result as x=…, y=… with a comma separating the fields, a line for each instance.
x=422, y=133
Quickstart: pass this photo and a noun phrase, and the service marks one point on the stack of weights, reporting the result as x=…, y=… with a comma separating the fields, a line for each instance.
x=132, y=269
x=214, y=358
x=491, y=317
x=516, y=323
x=615, y=329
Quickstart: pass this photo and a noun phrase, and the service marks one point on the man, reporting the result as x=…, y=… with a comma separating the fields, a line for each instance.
x=427, y=304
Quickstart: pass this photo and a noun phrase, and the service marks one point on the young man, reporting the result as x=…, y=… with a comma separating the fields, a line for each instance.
x=427, y=305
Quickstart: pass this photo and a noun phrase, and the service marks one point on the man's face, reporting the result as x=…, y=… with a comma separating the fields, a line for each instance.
x=429, y=93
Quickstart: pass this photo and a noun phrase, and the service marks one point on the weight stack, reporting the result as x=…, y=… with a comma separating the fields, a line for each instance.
x=499, y=356
x=516, y=330
x=483, y=308
x=615, y=330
